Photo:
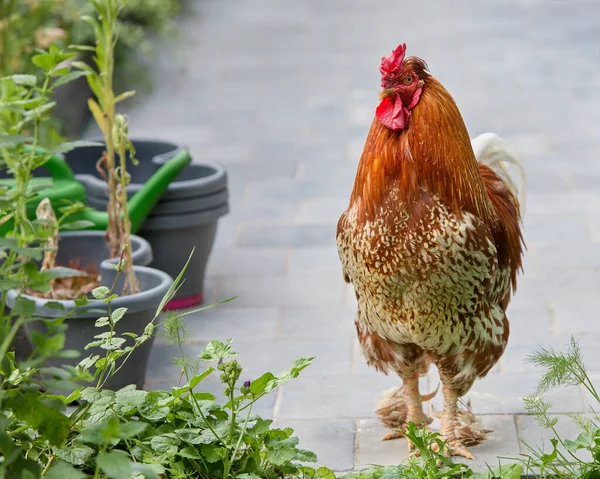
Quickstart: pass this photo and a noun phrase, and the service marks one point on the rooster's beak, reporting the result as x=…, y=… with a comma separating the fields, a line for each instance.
x=385, y=92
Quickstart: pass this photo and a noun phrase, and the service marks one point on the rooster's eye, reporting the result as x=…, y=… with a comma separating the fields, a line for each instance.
x=408, y=80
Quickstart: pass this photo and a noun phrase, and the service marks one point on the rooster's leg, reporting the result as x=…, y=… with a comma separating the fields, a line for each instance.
x=459, y=427
x=398, y=407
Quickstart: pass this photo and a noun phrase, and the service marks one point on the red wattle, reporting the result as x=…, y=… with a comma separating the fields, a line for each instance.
x=392, y=114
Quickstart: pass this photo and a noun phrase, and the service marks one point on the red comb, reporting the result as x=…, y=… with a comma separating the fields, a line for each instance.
x=391, y=65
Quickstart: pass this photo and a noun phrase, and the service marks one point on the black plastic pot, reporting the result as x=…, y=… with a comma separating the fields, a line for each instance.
x=88, y=247
x=186, y=217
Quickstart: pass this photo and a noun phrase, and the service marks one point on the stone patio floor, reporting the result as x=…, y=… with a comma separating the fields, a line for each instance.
x=282, y=94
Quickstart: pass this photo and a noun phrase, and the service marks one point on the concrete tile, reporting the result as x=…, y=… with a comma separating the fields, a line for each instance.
x=247, y=262
x=371, y=450
x=309, y=290
x=229, y=321
x=321, y=211
x=331, y=441
x=577, y=314
x=334, y=396
x=262, y=234
x=315, y=261
x=555, y=229
x=502, y=442
x=334, y=323
x=499, y=393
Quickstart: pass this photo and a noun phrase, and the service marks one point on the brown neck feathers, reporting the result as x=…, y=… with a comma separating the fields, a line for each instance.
x=433, y=155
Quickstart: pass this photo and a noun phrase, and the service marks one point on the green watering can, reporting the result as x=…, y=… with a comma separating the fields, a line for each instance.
x=65, y=189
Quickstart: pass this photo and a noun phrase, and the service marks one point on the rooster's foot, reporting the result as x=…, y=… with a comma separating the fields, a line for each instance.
x=461, y=432
x=395, y=412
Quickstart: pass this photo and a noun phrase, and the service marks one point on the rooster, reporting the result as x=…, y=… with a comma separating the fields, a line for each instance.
x=431, y=242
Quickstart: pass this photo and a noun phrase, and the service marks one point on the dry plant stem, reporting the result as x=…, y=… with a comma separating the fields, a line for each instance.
x=131, y=283
x=45, y=212
x=113, y=233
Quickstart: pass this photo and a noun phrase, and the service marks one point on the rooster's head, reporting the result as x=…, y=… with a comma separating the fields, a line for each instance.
x=402, y=83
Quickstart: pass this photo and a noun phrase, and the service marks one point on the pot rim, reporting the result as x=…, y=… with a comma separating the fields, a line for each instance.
x=177, y=187
x=140, y=247
x=136, y=302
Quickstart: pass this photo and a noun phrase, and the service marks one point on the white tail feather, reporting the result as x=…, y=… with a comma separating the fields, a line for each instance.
x=495, y=152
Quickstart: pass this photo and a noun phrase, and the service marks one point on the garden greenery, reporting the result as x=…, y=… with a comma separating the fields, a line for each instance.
x=183, y=432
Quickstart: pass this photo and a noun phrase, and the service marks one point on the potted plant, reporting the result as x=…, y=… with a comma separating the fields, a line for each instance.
x=185, y=217
x=91, y=268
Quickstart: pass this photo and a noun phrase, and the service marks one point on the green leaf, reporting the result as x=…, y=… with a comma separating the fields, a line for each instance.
x=192, y=453
x=131, y=429
x=77, y=455
x=60, y=272
x=77, y=225
x=177, y=392
x=62, y=470
x=71, y=145
x=165, y=444
x=212, y=453
x=33, y=253
x=394, y=472
x=173, y=288
x=217, y=351
x=325, y=473
x=6, y=141
x=118, y=314
x=259, y=386
x=69, y=77
x=153, y=408
x=48, y=420
x=101, y=322
x=101, y=292
x=26, y=80
x=124, y=96
x=260, y=427
x=115, y=464
x=24, y=306
x=194, y=436
x=128, y=400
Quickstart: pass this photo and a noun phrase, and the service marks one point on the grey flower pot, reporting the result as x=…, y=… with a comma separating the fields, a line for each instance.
x=89, y=247
x=186, y=217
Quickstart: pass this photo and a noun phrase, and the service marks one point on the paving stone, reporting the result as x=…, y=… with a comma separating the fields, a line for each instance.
x=247, y=262
x=345, y=397
x=501, y=442
x=227, y=321
x=321, y=211
x=527, y=321
x=276, y=235
x=331, y=358
x=309, y=290
x=551, y=228
x=283, y=189
x=577, y=314
x=334, y=323
x=499, y=393
x=371, y=450
x=558, y=282
x=331, y=441
x=582, y=254
x=315, y=261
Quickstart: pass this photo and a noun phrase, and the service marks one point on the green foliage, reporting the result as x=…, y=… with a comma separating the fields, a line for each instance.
x=565, y=459
x=185, y=432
